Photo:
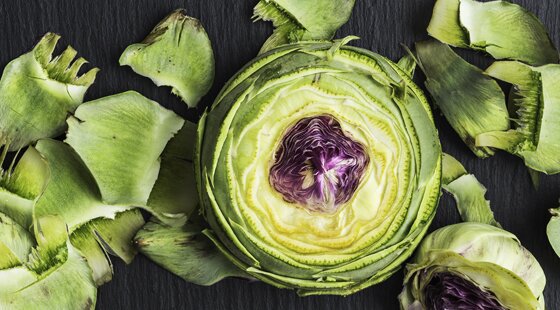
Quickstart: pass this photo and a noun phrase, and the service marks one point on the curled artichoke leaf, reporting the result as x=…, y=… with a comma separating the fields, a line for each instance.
x=186, y=252
x=177, y=53
x=174, y=197
x=472, y=102
x=15, y=243
x=468, y=192
x=123, y=128
x=302, y=20
x=262, y=234
x=22, y=185
x=503, y=29
x=537, y=105
x=38, y=92
x=491, y=260
x=553, y=230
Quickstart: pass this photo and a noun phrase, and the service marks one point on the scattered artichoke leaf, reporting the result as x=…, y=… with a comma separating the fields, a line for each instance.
x=503, y=29
x=177, y=53
x=72, y=193
x=468, y=192
x=296, y=20
x=186, y=252
x=537, y=104
x=65, y=284
x=38, y=92
x=20, y=188
x=408, y=64
x=553, y=230
x=120, y=139
x=101, y=237
x=174, y=196
x=482, y=264
x=472, y=102
x=535, y=178
x=15, y=243
x=85, y=241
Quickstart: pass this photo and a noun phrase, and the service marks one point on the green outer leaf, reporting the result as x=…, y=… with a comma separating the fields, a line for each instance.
x=100, y=237
x=553, y=230
x=490, y=257
x=472, y=102
x=15, y=243
x=469, y=194
x=535, y=139
x=120, y=139
x=20, y=189
x=408, y=64
x=502, y=29
x=296, y=20
x=38, y=93
x=174, y=196
x=67, y=286
x=186, y=252
x=177, y=53
x=72, y=192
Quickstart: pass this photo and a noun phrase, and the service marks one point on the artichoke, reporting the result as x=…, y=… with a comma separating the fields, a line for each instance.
x=319, y=168
x=473, y=266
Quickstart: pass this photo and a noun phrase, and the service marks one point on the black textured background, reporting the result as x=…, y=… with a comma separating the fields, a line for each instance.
x=101, y=29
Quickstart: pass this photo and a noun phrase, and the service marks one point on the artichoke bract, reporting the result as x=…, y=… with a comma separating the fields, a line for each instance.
x=319, y=168
x=473, y=266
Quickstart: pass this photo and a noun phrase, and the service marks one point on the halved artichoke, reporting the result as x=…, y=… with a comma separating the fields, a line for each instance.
x=319, y=168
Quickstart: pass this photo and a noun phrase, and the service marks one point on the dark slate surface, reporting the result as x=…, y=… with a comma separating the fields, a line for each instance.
x=101, y=29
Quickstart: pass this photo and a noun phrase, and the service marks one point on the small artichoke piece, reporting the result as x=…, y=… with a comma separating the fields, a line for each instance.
x=319, y=166
x=537, y=125
x=468, y=192
x=186, y=252
x=177, y=53
x=66, y=284
x=473, y=266
x=37, y=93
x=15, y=243
x=20, y=187
x=553, y=230
x=472, y=102
x=299, y=20
x=120, y=139
x=502, y=29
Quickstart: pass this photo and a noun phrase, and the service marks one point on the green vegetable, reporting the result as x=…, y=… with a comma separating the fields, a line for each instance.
x=500, y=28
x=472, y=102
x=296, y=20
x=473, y=265
x=537, y=104
x=470, y=266
x=186, y=252
x=37, y=92
x=176, y=53
x=553, y=230
x=319, y=168
x=468, y=192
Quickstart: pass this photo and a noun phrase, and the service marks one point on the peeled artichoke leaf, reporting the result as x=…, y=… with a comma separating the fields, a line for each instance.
x=120, y=139
x=186, y=252
x=468, y=192
x=538, y=109
x=20, y=188
x=38, y=92
x=15, y=243
x=72, y=193
x=21, y=288
x=472, y=102
x=302, y=20
x=174, y=196
x=553, y=230
x=85, y=241
x=503, y=29
x=408, y=64
x=177, y=53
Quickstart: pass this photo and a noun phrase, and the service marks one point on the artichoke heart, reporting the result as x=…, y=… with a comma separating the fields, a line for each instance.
x=310, y=171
